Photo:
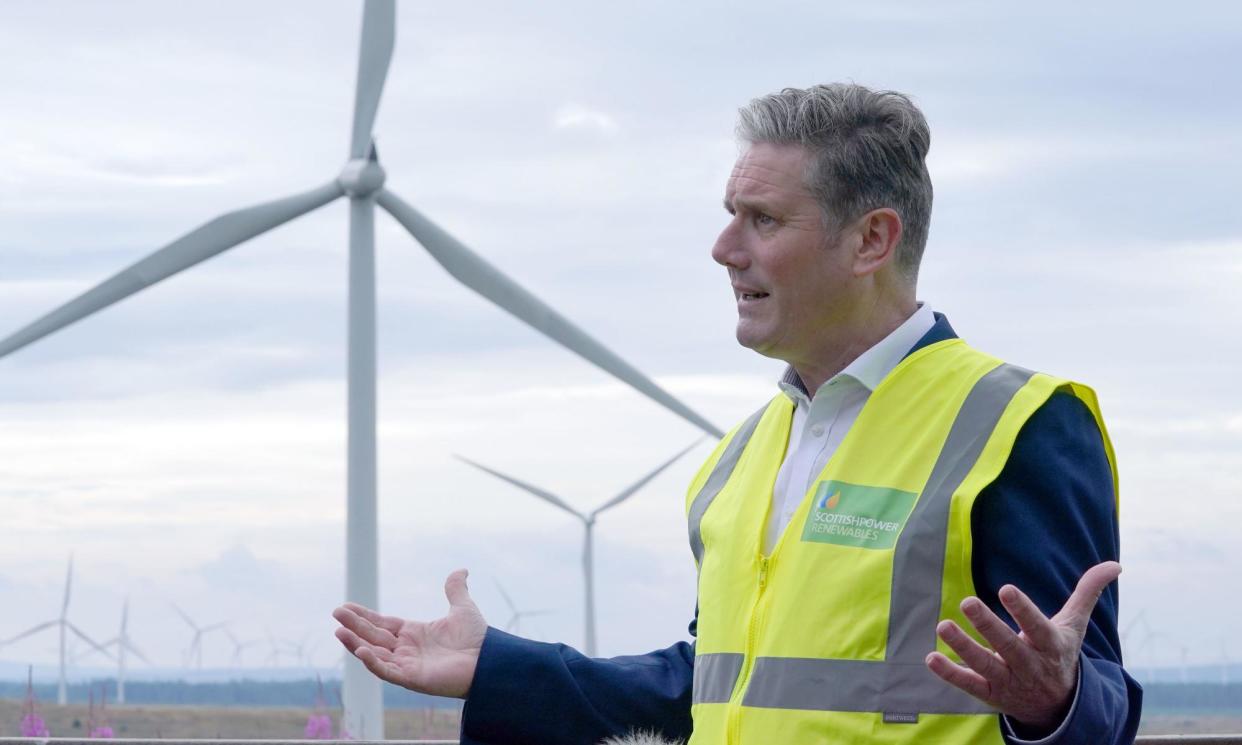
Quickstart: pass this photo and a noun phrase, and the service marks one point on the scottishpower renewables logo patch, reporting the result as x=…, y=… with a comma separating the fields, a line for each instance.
x=856, y=515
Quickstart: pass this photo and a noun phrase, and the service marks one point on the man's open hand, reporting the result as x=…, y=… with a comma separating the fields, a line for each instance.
x=1029, y=676
x=437, y=657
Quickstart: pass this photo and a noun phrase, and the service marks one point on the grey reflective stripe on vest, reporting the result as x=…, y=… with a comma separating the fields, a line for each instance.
x=853, y=685
x=715, y=676
x=918, y=558
x=717, y=479
x=901, y=684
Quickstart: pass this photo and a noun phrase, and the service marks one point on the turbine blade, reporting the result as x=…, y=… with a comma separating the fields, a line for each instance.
x=185, y=618
x=471, y=270
x=527, y=487
x=505, y=595
x=106, y=645
x=64, y=607
x=29, y=632
x=374, y=53
x=199, y=244
x=643, y=481
x=136, y=652
x=88, y=640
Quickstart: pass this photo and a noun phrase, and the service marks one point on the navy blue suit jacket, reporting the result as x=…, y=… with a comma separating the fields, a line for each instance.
x=1047, y=518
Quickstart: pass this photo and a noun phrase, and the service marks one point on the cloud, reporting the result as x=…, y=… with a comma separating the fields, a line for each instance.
x=574, y=116
x=237, y=569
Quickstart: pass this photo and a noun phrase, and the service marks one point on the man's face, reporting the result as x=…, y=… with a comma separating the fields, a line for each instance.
x=789, y=281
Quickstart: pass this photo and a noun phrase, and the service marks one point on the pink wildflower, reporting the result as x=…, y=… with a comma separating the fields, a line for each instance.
x=319, y=723
x=318, y=727
x=98, y=728
x=33, y=726
x=32, y=723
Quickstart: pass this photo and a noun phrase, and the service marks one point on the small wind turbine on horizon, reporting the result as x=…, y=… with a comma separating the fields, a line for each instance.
x=301, y=653
x=362, y=181
x=123, y=644
x=274, y=649
x=65, y=625
x=588, y=525
x=514, y=623
x=195, y=650
x=239, y=646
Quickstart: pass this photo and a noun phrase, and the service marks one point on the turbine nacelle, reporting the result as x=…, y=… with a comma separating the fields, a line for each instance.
x=362, y=177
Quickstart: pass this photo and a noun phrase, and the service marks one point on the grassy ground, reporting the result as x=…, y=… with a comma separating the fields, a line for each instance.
x=214, y=722
x=1181, y=724
x=400, y=724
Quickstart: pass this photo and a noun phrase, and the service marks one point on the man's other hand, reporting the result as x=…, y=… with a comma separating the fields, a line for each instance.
x=436, y=657
x=1030, y=676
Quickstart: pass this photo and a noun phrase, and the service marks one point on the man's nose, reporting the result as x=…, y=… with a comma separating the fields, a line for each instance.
x=729, y=250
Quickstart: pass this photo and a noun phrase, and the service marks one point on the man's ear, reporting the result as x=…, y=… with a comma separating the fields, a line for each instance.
x=879, y=232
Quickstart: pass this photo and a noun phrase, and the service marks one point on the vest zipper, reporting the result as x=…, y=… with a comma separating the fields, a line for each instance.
x=735, y=706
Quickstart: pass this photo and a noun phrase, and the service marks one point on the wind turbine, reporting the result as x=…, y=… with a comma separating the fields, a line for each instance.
x=588, y=524
x=514, y=623
x=299, y=650
x=123, y=644
x=362, y=181
x=196, y=642
x=62, y=695
x=238, y=645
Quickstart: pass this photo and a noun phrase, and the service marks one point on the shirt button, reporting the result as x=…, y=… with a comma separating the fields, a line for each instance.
x=817, y=430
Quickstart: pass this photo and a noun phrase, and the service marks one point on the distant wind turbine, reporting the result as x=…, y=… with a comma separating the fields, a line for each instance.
x=274, y=650
x=299, y=651
x=588, y=524
x=362, y=181
x=514, y=623
x=239, y=646
x=123, y=644
x=62, y=694
x=195, y=651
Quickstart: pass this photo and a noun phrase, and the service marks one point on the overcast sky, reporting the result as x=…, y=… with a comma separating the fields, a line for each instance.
x=187, y=445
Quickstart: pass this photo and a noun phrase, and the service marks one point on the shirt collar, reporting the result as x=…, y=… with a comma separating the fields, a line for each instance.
x=873, y=365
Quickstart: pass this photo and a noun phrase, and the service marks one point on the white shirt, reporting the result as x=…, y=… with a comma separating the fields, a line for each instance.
x=820, y=423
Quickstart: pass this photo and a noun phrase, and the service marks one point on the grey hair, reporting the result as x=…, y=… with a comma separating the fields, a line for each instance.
x=867, y=151
x=641, y=737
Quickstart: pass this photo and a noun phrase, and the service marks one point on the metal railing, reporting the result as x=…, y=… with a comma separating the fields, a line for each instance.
x=1190, y=740
x=1148, y=740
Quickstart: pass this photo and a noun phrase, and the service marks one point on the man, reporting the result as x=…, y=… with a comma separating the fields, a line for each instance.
x=900, y=488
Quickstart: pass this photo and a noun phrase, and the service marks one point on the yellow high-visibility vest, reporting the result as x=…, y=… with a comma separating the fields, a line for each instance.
x=824, y=640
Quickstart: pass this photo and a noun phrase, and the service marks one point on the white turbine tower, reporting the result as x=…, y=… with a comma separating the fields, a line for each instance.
x=588, y=525
x=124, y=644
x=62, y=693
x=362, y=181
x=195, y=651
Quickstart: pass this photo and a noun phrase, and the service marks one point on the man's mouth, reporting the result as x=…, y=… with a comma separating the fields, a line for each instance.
x=753, y=295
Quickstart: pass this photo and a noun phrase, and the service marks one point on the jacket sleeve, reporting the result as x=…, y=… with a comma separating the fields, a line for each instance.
x=527, y=692
x=1047, y=518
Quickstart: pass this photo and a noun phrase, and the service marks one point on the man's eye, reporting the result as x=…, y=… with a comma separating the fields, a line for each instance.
x=762, y=219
